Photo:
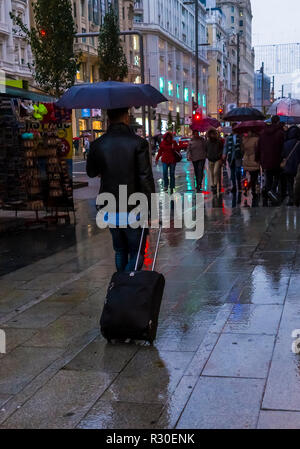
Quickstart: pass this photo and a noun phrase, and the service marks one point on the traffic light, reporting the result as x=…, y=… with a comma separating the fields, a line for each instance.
x=195, y=106
x=43, y=32
x=220, y=113
x=153, y=114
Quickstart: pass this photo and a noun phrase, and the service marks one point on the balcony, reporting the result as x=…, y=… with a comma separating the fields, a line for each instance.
x=138, y=6
x=4, y=29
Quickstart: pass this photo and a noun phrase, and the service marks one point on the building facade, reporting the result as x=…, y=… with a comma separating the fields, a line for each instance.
x=282, y=62
x=238, y=15
x=15, y=53
x=220, y=90
x=262, y=92
x=169, y=37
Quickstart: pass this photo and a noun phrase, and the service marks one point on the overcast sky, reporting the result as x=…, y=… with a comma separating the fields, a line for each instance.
x=276, y=21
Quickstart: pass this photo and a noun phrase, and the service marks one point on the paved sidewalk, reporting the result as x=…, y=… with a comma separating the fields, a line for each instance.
x=223, y=357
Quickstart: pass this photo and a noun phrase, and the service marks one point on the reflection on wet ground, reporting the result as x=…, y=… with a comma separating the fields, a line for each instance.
x=223, y=355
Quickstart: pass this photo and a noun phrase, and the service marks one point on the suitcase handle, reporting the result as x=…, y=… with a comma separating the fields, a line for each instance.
x=140, y=248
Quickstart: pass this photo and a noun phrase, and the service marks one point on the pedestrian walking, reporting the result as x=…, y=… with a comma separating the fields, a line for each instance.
x=169, y=154
x=214, y=151
x=249, y=148
x=121, y=158
x=233, y=154
x=86, y=147
x=291, y=160
x=196, y=153
x=269, y=150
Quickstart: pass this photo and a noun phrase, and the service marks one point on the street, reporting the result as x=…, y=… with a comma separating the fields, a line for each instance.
x=223, y=356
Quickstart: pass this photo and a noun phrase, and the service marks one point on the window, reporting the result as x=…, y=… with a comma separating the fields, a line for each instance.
x=178, y=91
x=186, y=94
x=232, y=19
x=232, y=9
x=82, y=8
x=170, y=88
x=96, y=12
x=83, y=30
x=74, y=9
x=241, y=23
x=161, y=85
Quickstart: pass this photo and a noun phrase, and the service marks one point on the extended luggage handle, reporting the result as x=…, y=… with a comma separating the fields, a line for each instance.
x=140, y=248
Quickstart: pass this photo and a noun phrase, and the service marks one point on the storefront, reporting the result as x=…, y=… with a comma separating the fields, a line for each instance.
x=35, y=156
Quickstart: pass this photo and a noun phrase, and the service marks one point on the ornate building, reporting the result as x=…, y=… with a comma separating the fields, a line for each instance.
x=169, y=37
x=238, y=14
x=15, y=53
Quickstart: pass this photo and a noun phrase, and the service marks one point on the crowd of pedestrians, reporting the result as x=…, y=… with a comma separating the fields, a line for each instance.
x=269, y=161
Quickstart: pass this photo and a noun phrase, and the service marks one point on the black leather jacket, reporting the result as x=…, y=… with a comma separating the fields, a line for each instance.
x=120, y=157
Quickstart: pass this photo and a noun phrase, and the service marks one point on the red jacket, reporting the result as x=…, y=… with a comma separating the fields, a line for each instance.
x=166, y=150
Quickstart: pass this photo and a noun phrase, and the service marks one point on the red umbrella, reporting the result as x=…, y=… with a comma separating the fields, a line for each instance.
x=256, y=126
x=205, y=124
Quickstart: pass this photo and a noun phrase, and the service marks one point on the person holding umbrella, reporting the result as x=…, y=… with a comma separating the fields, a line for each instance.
x=233, y=154
x=214, y=150
x=269, y=150
x=249, y=147
x=121, y=158
x=196, y=153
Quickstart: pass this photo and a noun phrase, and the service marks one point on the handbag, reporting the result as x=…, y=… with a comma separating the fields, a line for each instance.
x=177, y=154
x=284, y=161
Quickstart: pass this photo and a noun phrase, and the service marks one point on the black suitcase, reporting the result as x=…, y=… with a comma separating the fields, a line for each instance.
x=132, y=304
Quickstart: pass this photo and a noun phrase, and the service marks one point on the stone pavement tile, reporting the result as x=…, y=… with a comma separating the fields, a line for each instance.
x=46, y=281
x=196, y=260
x=150, y=377
x=121, y=415
x=73, y=293
x=222, y=282
x=17, y=298
x=207, y=345
x=184, y=273
x=61, y=403
x=91, y=305
x=237, y=252
x=175, y=405
x=223, y=403
x=260, y=293
x=40, y=315
x=16, y=337
x=231, y=265
x=184, y=339
x=254, y=319
x=20, y=366
x=63, y=331
x=240, y=355
x=270, y=278
x=9, y=284
x=282, y=390
x=101, y=356
x=269, y=419
x=3, y=399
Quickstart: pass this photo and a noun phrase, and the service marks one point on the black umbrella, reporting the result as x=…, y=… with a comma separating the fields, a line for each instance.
x=243, y=115
x=110, y=95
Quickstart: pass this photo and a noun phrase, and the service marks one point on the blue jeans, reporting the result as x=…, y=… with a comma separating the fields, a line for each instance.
x=166, y=175
x=126, y=242
x=236, y=176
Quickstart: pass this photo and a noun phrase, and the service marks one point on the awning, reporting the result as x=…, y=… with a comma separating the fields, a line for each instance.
x=26, y=94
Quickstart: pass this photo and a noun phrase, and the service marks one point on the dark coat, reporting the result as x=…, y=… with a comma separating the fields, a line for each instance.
x=291, y=139
x=270, y=146
x=120, y=157
x=214, y=149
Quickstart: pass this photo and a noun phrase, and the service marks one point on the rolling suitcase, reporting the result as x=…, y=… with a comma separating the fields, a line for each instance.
x=132, y=304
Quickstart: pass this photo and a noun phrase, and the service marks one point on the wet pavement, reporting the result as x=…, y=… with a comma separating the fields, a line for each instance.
x=223, y=355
